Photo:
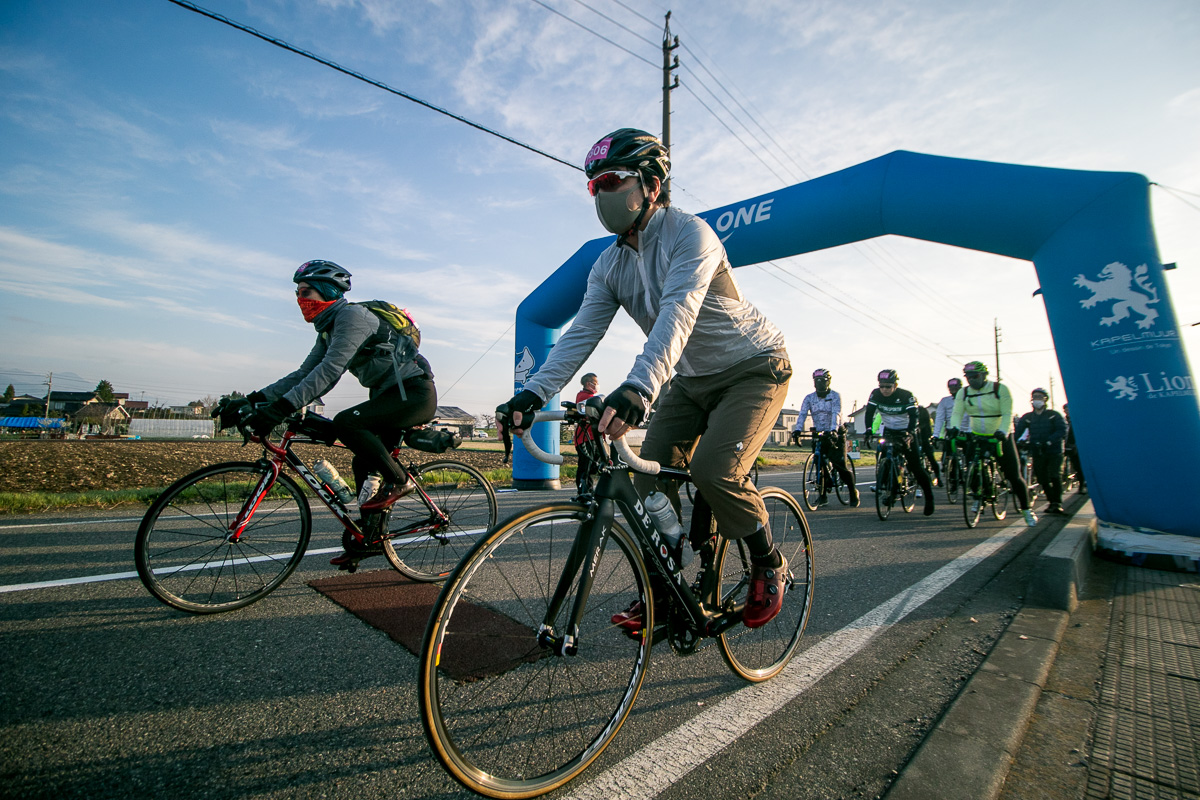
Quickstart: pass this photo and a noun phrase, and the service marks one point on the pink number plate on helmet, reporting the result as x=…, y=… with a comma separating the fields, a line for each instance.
x=598, y=152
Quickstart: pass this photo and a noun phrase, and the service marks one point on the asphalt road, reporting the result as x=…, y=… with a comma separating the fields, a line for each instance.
x=108, y=693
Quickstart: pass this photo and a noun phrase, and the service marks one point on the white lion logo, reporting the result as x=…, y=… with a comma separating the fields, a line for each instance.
x=1126, y=388
x=524, y=365
x=1116, y=283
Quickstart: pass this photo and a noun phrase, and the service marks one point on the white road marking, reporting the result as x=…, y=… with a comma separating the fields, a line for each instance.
x=669, y=758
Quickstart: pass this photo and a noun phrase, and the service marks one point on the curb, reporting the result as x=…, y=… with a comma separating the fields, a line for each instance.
x=968, y=753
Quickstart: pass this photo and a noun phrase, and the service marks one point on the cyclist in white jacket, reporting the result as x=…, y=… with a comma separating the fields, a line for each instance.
x=988, y=404
x=669, y=271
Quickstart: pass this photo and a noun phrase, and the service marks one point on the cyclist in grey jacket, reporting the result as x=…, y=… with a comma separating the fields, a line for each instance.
x=669, y=271
x=351, y=338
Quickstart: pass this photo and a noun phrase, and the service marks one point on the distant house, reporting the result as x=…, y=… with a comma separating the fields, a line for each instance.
x=67, y=403
x=453, y=418
x=132, y=406
x=782, y=432
x=24, y=405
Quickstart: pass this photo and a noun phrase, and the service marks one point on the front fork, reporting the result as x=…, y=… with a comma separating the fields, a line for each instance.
x=265, y=484
x=586, y=552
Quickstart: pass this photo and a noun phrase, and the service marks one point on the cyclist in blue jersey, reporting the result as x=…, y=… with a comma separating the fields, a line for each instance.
x=900, y=425
x=825, y=406
x=989, y=406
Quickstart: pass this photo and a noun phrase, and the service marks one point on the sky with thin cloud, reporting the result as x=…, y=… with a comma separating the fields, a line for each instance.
x=162, y=174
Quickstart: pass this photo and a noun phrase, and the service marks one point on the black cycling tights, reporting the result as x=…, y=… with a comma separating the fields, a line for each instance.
x=372, y=429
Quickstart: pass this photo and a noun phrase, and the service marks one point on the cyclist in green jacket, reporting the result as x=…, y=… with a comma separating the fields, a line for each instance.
x=988, y=404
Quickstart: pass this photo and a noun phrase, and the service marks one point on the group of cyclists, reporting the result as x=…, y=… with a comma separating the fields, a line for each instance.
x=721, y=367
x=978, y=413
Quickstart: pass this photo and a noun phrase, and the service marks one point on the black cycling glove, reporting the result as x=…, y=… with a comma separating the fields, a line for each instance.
x=628, y=403
x=524, y=403
x=265, y=418
x=231, y=410
x=257, y=398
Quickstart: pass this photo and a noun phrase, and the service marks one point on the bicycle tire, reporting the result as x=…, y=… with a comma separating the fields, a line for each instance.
x=972, y=494
x=840, y=488
x=501, y=729
x=189, y=523
x=757, y=654
x=471, y=506
x=954, y=475
x=908, y=491
x=1003, y=493
x=812, y=482
x=883, y=487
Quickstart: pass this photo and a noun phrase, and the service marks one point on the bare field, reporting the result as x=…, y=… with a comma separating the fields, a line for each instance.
x=35, y=465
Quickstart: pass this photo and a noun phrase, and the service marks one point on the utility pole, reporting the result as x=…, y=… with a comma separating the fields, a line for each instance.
x=669, y=43
x=49, y=391
x=1052, y=391
x=998, y=339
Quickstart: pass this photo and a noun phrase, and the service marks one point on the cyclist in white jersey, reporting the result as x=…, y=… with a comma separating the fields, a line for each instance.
x=825, y=406
x=668, y=270
x=988, y=404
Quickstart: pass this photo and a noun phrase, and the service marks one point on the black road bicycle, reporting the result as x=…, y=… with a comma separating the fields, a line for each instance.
x=229, y=534
x=524, y=676
x=819, y=475
x=894, y=482
x=985, y=483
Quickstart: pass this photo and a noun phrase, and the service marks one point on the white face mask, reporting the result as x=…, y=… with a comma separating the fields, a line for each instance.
x=619, y=210
x=1039, y=404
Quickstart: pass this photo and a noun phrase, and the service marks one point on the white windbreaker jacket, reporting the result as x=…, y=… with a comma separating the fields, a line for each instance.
x=679, y=288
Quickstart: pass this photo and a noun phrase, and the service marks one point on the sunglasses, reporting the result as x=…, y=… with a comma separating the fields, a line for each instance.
x=308, y=292
x=608, y=181
x=887, y=386
x=973, y=375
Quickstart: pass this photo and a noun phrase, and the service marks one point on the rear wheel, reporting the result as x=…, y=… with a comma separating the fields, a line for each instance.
x=757, y=654
x=973, y=494
x=884, y=483
x=953, y=478
x=505, y=713
x=184, y=552
x=468, y=501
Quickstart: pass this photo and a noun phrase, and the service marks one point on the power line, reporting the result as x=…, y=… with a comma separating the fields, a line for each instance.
x=1173, y=192
x=359, y=76
x=734, y=134
x=466, y=372
x=589, y=30
x=618, y=24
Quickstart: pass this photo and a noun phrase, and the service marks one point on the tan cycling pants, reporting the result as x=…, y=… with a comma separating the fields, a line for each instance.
x=717, y=424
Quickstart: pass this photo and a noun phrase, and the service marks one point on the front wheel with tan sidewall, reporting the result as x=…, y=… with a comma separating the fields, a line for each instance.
x=506, y=715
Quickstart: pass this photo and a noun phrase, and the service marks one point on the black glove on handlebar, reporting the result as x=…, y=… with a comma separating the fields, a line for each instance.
x=257, y=398
x=628, y=403
x=231, y=411
x=524, y=403
x=265, y=418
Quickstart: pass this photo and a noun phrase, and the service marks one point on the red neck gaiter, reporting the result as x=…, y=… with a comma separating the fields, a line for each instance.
x=311, y=309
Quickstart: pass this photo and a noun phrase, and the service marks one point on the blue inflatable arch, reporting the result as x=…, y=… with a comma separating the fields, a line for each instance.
x=1090, y=238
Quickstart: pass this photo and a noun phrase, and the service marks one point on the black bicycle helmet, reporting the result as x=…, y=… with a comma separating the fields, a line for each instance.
x=889, y=376
x=822, y=374
x=954, y=384
x=326, y=271
x=1040, y=391
x=975, y=366
x=629, y=147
